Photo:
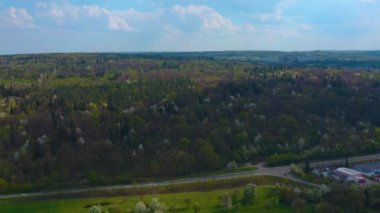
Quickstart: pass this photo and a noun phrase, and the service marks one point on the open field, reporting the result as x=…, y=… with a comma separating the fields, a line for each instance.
x=207, y=201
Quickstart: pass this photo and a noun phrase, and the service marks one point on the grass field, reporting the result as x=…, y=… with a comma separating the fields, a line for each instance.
x=208, y=202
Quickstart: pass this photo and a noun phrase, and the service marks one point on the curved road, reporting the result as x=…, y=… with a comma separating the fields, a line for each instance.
x=281, y=171
x=275, y=171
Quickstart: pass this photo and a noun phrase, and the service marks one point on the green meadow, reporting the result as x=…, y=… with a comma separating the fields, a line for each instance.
x=209, y=201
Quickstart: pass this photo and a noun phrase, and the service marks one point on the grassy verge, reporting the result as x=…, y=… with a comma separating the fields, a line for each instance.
x=208, y=201
x=311, y=178
x=189, y=187
x=28, y=188
x=222, y=172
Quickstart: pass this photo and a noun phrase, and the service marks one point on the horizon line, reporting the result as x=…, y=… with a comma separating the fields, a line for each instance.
x=168, y=52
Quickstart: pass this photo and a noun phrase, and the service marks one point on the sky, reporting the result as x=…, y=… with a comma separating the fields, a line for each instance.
x=36, y=26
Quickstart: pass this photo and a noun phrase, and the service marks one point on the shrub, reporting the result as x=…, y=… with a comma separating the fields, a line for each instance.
x=249, y=194
x=235, y=197
x=287, y=196
x=226, y=201
x=140, y=207
x=314, y=195
x=155, y=204
x=297, y=170
x=281, y=159
x=3, y=185
x=232, y=165
x=325, y=189
x=298, y=205
x=324, y=208
x=95, y=209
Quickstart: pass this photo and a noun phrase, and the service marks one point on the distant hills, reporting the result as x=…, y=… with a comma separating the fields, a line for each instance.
x=311, y=59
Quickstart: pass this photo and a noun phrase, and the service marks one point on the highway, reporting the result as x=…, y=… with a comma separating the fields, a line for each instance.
x=281, y=171
x=357, y=159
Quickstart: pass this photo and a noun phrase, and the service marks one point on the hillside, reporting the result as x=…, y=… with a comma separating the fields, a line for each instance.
x=75, y=119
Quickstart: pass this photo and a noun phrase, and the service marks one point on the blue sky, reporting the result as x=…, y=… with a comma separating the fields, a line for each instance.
x=34, y=26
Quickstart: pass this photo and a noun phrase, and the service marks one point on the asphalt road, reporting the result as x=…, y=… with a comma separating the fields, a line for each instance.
x=281, y=171
x=342, y=161
x=275, y=171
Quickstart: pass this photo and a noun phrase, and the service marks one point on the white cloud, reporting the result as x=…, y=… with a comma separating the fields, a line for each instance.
x=118, y=20
x=62, y=12
x=278, y=13
x=211, y=19
x=132, y=14
x=57, y=13
x=283, y=25
x=94, y=10
x=41, y=5
x=117, y=23
x=249, y=28
x=16, y=18
x=171, y=30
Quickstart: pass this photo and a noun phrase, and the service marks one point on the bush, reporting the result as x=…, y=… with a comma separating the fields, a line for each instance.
x=249, y=194
x=314, y=195
x=298, y=205
x=140, y=207
x=95, y=209
x=235, y=197
x=232, y=165
x=271, y=203
x=92, y=176
x=3, y=185
x=287, y=196
x=325, y=189
x=324, y=207
x=297, y=170
x=281, y=159
x=155, y=204
x=226, y=201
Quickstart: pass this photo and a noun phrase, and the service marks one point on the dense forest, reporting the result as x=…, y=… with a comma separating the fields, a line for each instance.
x=101, y=118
